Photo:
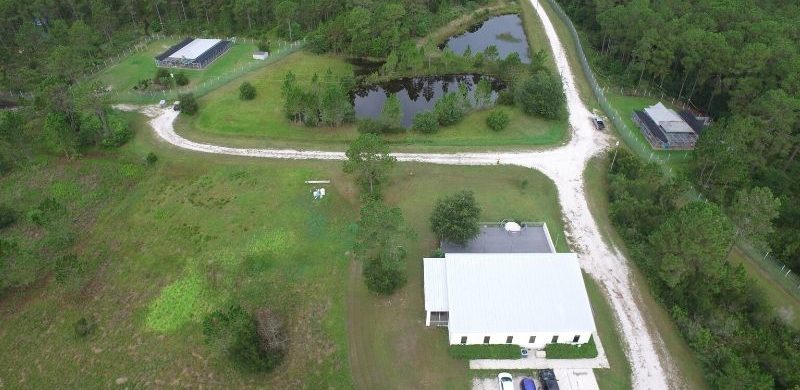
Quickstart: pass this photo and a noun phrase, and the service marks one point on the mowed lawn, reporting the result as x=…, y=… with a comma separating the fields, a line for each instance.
x=225, y=119
x=123, y=76
x=390, y=344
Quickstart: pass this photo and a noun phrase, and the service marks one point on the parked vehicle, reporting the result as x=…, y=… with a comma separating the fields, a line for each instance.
x=548, y=379
x=176, y=106
x=506, y=381
x=598, y=123
x=527, y=384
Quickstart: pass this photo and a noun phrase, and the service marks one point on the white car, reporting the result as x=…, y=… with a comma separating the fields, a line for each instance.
x=506, y=381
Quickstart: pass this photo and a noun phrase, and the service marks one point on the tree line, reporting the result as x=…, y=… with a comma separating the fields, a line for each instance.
x=683, y=249
x=738, y=61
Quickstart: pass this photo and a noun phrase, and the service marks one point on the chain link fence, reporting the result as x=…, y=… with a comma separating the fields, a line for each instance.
x=208, y=85
x=777, y=269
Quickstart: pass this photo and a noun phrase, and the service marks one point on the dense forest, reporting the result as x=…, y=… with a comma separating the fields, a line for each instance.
x=736, y=60
x=683, y=249
x=67, y=37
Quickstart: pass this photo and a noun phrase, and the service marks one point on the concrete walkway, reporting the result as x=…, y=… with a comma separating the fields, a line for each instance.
x=532, y=362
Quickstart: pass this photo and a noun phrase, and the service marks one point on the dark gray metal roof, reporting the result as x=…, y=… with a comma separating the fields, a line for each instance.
x=493, y=238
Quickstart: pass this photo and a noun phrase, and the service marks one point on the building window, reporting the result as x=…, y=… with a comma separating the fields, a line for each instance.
x=463, y=339
x=486, y=339
x=555, y=339
x=576, y=338
x=439, y=318
x=509, y=339
x=532, y=340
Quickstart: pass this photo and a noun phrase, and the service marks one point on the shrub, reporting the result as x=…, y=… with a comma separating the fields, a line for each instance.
x=569, y=351
x=426, y=122
x=505, y=98
x=485, y=351
x=188, y=103
x=541, y=94
x=84, y=327
x=263, y=45
x=497, y=120
x=162, y=77
x=252, y=344
x=450, y=109
x=151, y=158
x=384, y=274
x=181, y=79
x=370, y=126
x=119, y=133
x=7, y=216
x=247, y=91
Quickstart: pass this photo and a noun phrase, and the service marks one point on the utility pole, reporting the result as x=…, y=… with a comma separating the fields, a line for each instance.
x=614, y=158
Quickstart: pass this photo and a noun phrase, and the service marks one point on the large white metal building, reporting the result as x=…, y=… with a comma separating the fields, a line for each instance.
x=527, y=299
x=193, y=53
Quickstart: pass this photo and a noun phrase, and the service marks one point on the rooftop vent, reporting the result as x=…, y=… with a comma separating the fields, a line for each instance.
x=512, y=227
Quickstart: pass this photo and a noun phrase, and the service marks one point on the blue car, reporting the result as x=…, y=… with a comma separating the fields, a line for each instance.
x=527, y=384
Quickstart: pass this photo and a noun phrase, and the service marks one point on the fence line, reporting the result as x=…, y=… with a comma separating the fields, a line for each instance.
x=207, y=85
x=769, y=263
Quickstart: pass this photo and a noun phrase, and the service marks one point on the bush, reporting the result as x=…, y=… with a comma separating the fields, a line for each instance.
x=181, y=79
x=450, y=109
x=162, y=77
x=84, y=327
x=370, y=126
x=497, y=120
x=252, y=344
x=119, y=133
x=7, y=216
x=569, y=351
x=151, y=158
x=247, y=91
x=263, y=45
x=384, y=274
x=541, y=94
x=505, y=98
x=426, y=122
x=188, y=103
x=484, y=351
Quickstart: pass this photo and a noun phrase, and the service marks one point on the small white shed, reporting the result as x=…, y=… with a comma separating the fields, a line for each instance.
x=260, y=55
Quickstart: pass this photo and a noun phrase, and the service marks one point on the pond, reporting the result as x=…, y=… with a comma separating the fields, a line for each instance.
x=504, y=31
x=416, y=94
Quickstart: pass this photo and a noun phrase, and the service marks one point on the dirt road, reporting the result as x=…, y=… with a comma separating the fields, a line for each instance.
x=564, y=165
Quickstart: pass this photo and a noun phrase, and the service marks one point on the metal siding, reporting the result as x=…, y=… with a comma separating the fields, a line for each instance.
x=528, y=293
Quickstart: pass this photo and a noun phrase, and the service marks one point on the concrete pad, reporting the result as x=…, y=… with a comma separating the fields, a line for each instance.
x=576, y=379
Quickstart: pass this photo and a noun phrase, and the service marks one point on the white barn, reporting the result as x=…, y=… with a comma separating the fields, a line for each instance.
x=527, y=299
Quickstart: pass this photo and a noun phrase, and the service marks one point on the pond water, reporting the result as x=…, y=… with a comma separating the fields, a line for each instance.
x=504, y=31
x=416, y=94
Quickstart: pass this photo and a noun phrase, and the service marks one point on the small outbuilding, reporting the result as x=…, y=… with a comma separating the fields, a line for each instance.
x=666, y=129
x=260, y=55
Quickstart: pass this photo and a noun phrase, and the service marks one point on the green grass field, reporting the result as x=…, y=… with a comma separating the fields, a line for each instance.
x=172, y=242
x=122, y=76
x=227, y=120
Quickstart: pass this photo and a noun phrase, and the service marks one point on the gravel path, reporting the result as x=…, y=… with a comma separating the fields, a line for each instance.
x=564, y=165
